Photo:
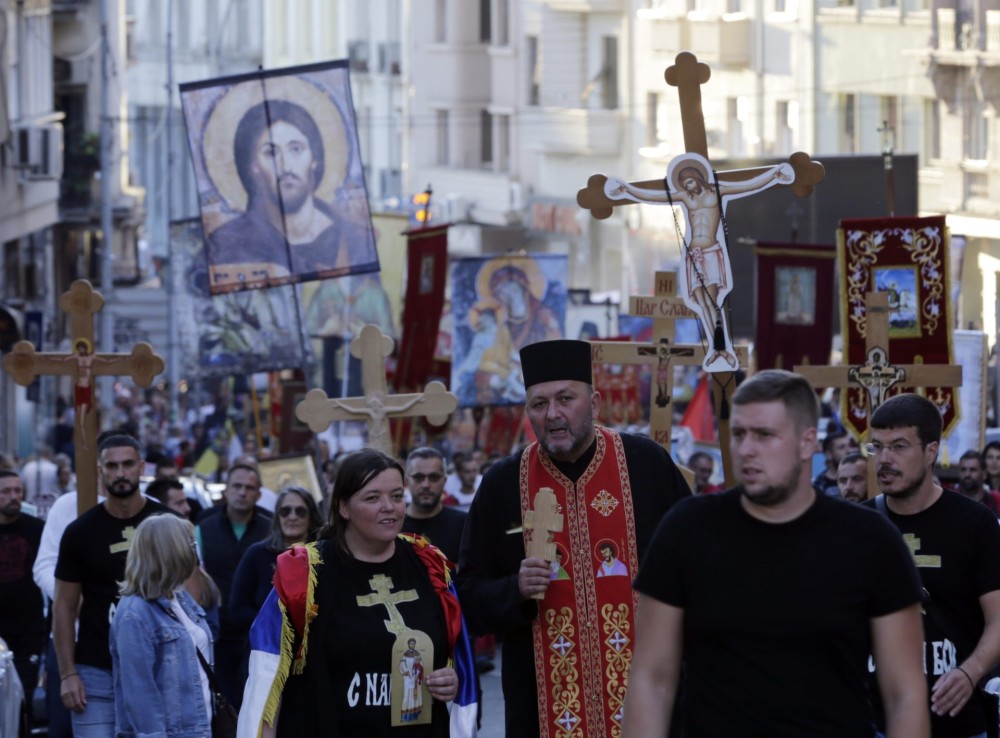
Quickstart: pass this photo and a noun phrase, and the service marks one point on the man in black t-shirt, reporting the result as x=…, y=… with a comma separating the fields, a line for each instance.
x=772, y=595
x=91, y=562
x=426, y=514
x=22, y=618
x=955, y=543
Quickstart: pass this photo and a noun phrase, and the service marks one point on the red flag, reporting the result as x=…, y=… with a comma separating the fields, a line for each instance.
x=698, y=416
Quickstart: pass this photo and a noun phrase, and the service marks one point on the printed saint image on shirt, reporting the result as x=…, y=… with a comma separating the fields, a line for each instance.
x=413, y=659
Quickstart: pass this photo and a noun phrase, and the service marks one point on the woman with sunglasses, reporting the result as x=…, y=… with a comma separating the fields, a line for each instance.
x=296, y=520
x=369, y=628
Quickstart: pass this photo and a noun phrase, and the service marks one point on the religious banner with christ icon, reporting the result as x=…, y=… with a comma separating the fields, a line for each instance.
x=238, y=333
x=906, y=259
x=501, y=304
x=794, y=304
x=281, y=183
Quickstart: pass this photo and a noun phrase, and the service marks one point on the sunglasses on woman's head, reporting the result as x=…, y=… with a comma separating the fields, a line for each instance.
x=300, y=511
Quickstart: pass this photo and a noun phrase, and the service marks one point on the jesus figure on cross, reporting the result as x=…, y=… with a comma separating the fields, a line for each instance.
x=707, y=278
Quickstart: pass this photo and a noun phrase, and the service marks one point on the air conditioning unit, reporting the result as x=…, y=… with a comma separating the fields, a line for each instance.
x=38, y=152
x=75, y=72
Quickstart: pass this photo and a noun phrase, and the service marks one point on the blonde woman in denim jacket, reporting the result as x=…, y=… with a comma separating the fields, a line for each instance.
x=161, y=690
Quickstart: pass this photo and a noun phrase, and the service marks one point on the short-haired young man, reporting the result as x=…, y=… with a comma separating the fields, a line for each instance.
x=956, y=546
x=773, y=595
x=852, y=477
x=91, y=562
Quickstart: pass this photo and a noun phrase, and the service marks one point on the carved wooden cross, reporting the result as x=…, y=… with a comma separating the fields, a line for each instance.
x=877, y=375
x=81, y=302
x=688, y=74
x=664, y=307
x=543, y=521
x=317, y=410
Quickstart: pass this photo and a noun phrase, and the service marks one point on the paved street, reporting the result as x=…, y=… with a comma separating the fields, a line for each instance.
x=492, y=702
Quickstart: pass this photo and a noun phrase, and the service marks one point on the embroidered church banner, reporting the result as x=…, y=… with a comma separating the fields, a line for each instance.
x=281, y=184
x=238, y=333
x=427, y=270
x=908, y=259
x=619, y=387
x=794, y=304
x=500, y=304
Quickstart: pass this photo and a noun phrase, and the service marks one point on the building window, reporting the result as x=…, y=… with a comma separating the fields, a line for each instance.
x=652, y=118
x=534, y=70
x=501, y=23
x=609, y=72
x=443, y=138
x=787, y=122
x=440, y=21
x=486, y=138
x=501, y=160
x=848, y=124
x=932, y=131
x=977, y=140
x=485, y=21
x=737, y=110
x=889, y=109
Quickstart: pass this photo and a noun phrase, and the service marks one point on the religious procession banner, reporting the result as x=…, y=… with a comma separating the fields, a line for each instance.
x=619, y=386
x=499, y=305
x=908, y=259
x=794, y=304
x=237, y=333
x=427, y=271
x=972, y=354
x=281, y=184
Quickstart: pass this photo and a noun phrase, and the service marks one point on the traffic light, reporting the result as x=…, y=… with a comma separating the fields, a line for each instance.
x=422, y=207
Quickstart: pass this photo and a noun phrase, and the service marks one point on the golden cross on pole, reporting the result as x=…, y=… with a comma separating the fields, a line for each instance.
x=878, y=375
x=81, y=303
x=382, y=595
x=317, y=410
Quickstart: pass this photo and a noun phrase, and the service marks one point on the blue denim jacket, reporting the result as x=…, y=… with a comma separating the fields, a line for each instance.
x=157, y=674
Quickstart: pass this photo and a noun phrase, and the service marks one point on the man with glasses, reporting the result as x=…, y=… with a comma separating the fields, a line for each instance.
x=955, y=544
x=426, y=515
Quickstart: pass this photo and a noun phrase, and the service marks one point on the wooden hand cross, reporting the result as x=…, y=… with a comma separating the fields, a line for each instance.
x=81, y=302
x=317, y=410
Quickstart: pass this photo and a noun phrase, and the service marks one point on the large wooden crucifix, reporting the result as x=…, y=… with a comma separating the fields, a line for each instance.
x=706, y=278
x=81, y=302
x=318, y=410
x=664, y=307
x=878, y=375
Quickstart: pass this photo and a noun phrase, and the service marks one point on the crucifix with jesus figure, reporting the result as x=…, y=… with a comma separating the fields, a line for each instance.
x=663, y=353
x=81, y=302
x=377, y=406
x=878, y=374
x=691, y=183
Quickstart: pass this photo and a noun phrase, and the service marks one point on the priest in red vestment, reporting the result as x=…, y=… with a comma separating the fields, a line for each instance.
x=565, y=656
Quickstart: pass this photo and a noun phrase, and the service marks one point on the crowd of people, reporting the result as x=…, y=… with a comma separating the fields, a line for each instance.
x=784, y=606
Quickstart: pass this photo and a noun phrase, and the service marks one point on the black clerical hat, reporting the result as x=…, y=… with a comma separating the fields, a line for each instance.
x=551, y=361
